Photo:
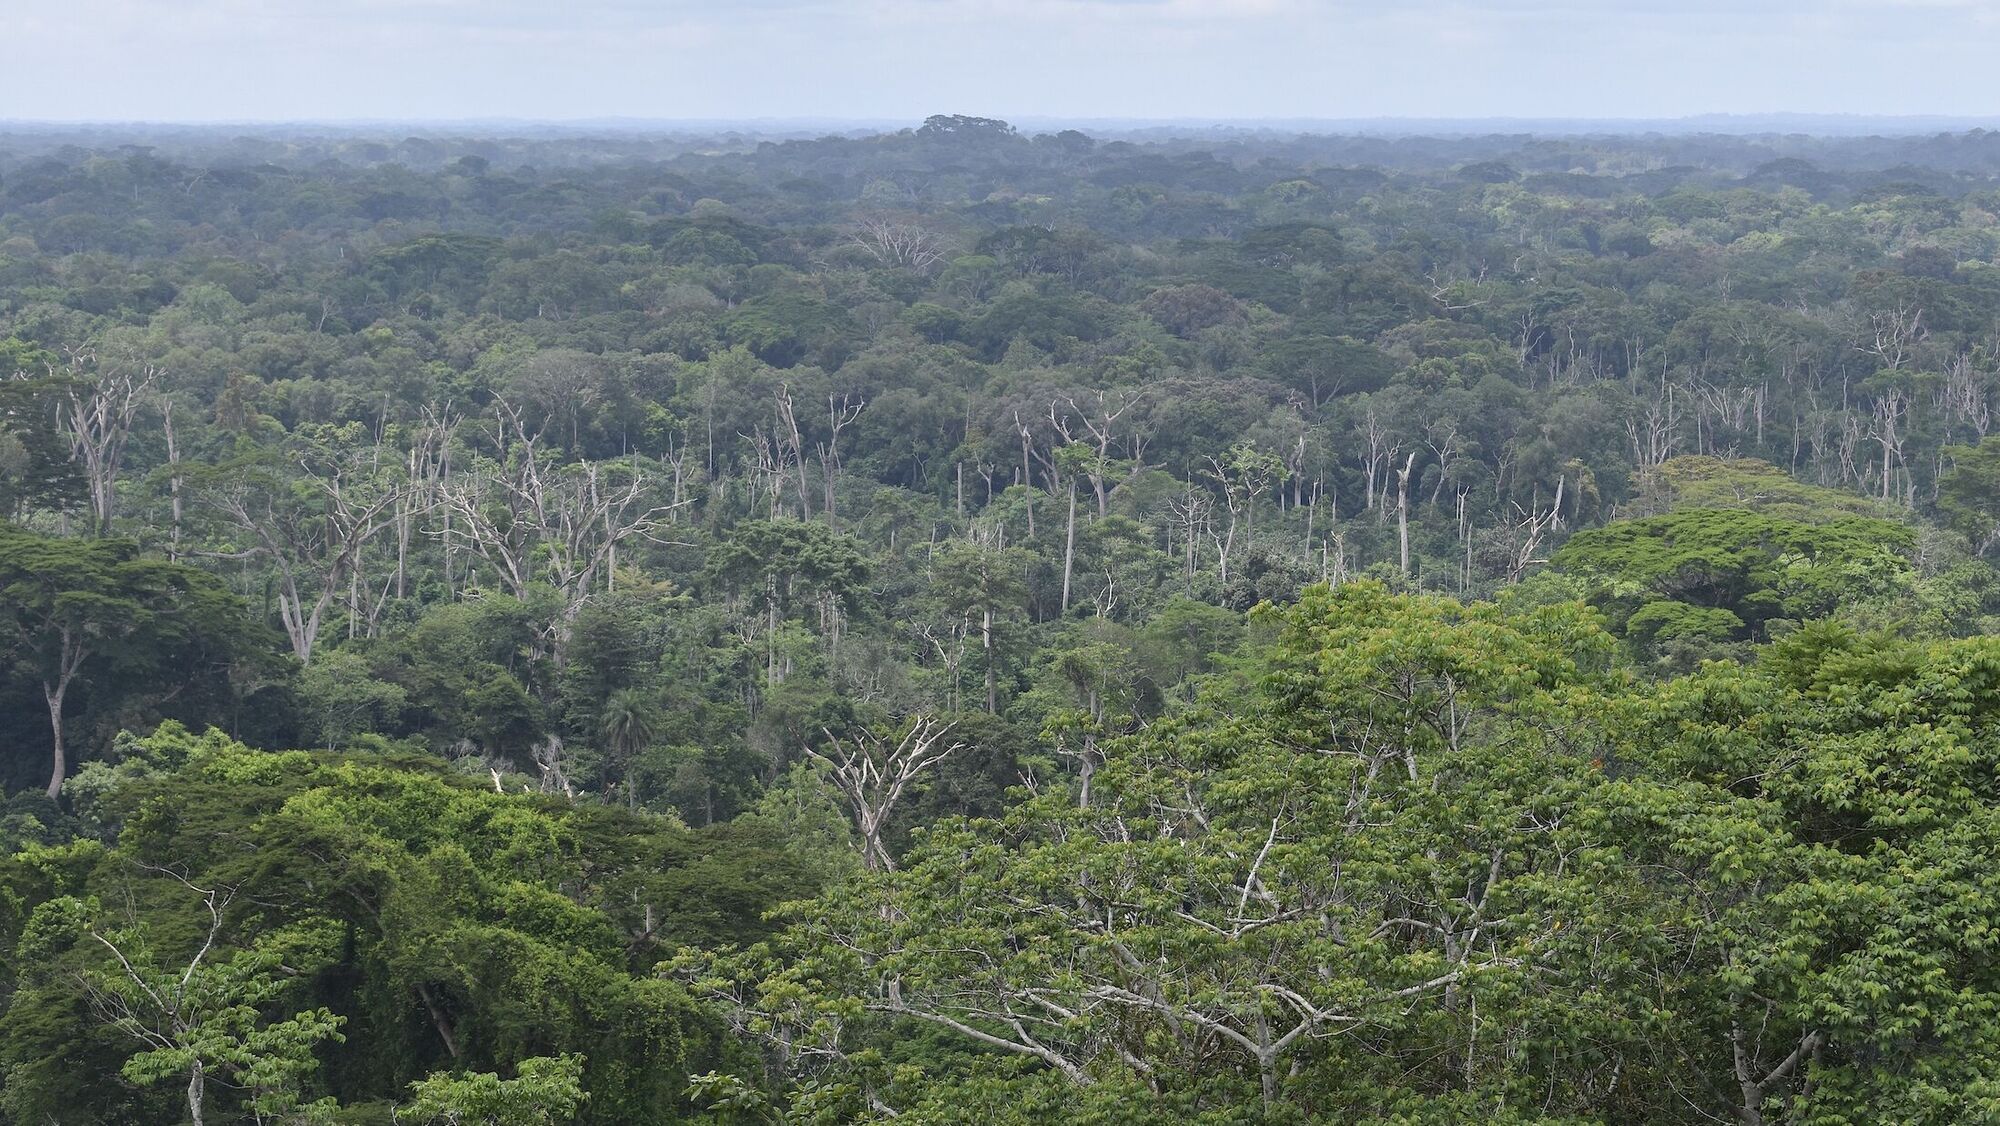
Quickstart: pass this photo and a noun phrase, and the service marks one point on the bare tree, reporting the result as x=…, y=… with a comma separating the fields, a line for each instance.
x=1382, y=447
x=176, y=480
x=98, y=417
x=1529, y=530
x=908, y=245
x=426, y=470
x=1892, y=335
x=872, y=773
x=316, y=546
x=1027, y=470
x=1403, y=509
x=841, y=411
x=1099, y=425
x=535, y=521
x=795, y=443
x=1965, y=397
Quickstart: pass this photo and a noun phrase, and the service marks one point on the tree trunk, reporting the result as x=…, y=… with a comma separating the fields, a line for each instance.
x=986, y=641
x=173, y=481
x=1403, y=510
x=195, y=1092
x=1027, y=480
x=438, y=1020
x=54, y=696
x=1069, y=544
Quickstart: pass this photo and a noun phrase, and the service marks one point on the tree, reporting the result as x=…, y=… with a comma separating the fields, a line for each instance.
x=343, y=698
x=201, y=1020
x=314, y=530
x=1369, y=848
x=544, y=1091
x=1796, y=830
x=872, y=772
x=96, y=612
x=976, y=579
x=780, y=563
x=1754, y=567
x=37, y=466
x=1969, y=492
x=536, y=521
x=628, y=725
x=457, y=930
x=99, y=415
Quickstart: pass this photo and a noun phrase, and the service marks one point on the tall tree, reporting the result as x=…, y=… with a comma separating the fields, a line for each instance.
x=96, y=612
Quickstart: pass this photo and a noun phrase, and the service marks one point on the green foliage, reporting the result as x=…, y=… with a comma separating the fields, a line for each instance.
x=1752, y=485
x=544, y=1091
x=98, y=616
x=595, y=482
x=1700, y=576
x=1967, y=492
x=449, y=927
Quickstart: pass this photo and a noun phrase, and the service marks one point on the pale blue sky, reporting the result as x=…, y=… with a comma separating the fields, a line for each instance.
x=206, y=60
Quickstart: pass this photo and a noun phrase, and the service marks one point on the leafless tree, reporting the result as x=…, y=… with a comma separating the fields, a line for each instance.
x=907, y=245
x=1027, y=436
x=1965, y=396
x=1892, y=335
x=426, y=471
x=795, y=445
x=1382, y=447
x=872, y=773
x=1403, y=509
x=1098, y=427
x=534, y=521
x=841, y=411
x=98, y=414
x=176, y=480
x=1889, y=431
x=1532, y=526
x=1653, y=427
x=316, y=547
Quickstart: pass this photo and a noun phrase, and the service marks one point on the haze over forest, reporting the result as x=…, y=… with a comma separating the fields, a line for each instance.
x=1057, y=60
x=1312, y=562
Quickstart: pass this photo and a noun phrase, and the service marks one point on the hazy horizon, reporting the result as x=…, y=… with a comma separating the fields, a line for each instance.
x=895, y=61
x=1831, y=126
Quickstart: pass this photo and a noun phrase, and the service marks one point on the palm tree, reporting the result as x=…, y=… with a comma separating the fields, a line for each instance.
x=627, y=725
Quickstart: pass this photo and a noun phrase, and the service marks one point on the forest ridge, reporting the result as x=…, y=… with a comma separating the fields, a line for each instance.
x=963, y=625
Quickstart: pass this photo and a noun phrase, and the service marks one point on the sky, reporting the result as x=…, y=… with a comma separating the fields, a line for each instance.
x=900, y=60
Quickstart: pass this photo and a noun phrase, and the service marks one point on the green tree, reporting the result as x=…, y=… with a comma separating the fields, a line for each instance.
x=545, y=1091
x=1969, y=492
x=96, y=612
x=198, y=1018
x=1181, y=927
x=628, y=725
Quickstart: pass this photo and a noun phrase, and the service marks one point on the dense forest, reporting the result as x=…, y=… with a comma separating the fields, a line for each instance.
x=965, y=626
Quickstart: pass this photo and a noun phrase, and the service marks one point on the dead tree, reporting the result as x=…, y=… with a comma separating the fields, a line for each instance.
x=841, y=411
x=98, y=417
x=176, y=480
x=1099, y=426
x=794, y=439
x=871, y=774
x=1403, y=509
x=1654, y=428
x=1533, y=525
x=426, y=470
x=316, y=547
x=1027, y=469
x=535, y=521
x=907, y=245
